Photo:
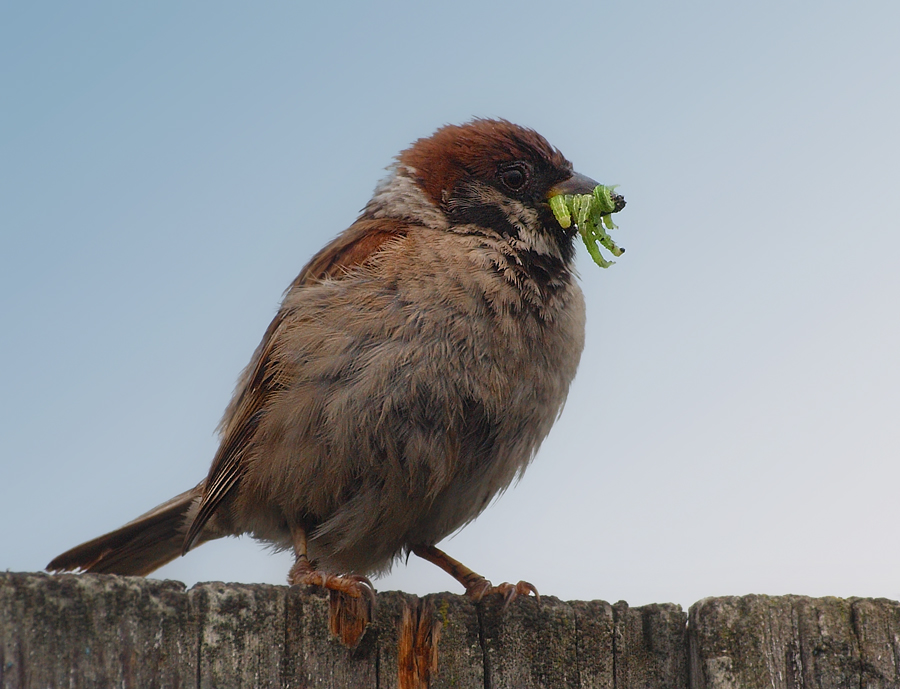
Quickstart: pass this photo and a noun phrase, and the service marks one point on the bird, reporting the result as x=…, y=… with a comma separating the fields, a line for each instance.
x=409, y=376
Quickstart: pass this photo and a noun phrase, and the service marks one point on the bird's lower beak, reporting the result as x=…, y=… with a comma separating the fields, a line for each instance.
x=576, y=184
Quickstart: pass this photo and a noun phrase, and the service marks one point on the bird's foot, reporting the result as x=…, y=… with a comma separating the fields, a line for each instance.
x=354, y=585
x=351, y=598
x=477, y=587
x=481, y=587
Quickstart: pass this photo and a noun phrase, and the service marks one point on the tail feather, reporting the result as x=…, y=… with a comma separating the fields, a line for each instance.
x=139, y=547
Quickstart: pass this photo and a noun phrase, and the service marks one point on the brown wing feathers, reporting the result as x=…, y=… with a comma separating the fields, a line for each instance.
x=353, y=248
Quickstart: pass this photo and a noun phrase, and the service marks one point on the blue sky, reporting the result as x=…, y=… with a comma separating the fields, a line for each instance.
x=167, y=169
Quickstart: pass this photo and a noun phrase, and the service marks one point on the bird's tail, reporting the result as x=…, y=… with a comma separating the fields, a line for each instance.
x=139, y=547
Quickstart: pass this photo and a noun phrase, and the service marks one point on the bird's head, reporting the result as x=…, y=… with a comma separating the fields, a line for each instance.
x=497, y=176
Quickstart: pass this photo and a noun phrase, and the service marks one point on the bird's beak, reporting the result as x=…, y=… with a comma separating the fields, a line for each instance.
x=576, y=184
x=582, y=184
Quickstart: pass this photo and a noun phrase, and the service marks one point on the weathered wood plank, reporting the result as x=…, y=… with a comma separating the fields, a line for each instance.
x=69, y=630
x=877, y=625
x=460, y=652
x=794, y=641
x=650, y=648
x=530, y=645
x=313, y=658
x=242, y=634
x=595, y=630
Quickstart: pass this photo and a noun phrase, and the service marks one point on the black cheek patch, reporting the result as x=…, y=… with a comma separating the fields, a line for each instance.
x=467, y=206
x=487, y=216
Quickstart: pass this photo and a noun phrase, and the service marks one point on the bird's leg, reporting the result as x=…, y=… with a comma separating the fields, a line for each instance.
x=477, y=587
x=351, y=596
x=304, y=573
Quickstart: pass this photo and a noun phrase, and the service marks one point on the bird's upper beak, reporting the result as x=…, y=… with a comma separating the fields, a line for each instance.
x=576, y=184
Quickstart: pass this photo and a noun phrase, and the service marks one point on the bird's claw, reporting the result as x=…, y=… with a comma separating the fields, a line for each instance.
x=354, y=585
x=481, y=588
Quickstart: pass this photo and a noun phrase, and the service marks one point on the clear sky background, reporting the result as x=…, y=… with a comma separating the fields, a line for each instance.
x=166, y=169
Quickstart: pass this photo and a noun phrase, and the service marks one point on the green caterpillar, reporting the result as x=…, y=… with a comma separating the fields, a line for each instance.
x=592, y=216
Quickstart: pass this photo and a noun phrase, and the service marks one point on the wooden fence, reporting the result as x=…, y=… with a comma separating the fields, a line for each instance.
x=108, y=631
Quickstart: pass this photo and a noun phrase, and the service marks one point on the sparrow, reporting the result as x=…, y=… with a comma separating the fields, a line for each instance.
x=413, y=369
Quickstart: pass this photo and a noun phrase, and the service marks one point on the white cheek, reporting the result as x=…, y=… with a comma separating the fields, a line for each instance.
x=532, y=236
x=398, y=196
x=538, y=242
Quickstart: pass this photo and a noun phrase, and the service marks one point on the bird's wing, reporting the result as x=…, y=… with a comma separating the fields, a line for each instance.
x=353, y=248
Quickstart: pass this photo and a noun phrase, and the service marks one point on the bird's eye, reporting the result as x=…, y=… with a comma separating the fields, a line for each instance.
x=515, y=176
